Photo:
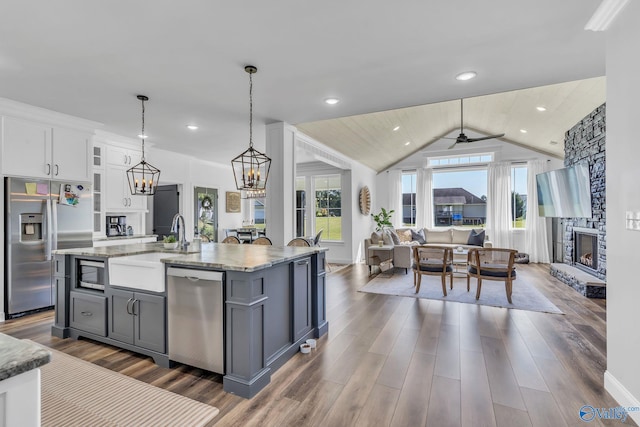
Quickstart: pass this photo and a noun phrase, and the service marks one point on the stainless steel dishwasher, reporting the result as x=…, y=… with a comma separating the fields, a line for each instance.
x=196, y=325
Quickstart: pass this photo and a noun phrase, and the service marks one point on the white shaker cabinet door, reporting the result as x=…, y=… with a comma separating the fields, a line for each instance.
x=26, y=148
x=71, y=151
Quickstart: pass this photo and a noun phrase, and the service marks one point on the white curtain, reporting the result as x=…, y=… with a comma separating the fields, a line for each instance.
x=424, y=198
x=536, y=241
x=395, y=196
x=499, y=204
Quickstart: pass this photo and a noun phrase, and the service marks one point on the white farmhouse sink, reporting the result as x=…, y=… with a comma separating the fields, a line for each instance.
x=144, y=271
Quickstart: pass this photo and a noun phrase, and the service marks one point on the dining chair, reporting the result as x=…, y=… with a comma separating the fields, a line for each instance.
x=231, y=239
x=262, y=241
x=316, y=240
x=492, y=264
x=433, y=261
x=299, y=241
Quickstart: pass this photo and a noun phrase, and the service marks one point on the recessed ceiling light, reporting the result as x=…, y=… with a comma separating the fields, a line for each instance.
x=332, y=101
x=407, y=143
x=523, y=130
x=396, y=128
x=541, y=108
x=142, y=136
x=192, y=127
x=467, y=75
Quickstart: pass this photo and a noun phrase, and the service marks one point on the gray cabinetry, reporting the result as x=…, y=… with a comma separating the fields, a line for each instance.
x=301, y=271
x=61, y=289
x=88, y=313
x=137, y=318
x=319, y=293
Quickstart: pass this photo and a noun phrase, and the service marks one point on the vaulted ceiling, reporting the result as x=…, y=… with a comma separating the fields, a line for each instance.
x=90, y=59
x=372, y=140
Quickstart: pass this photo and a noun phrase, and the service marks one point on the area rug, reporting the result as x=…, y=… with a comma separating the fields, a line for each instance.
x=524, y=295
x=79, y=393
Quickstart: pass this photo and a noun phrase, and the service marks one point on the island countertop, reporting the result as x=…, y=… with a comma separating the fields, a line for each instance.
x=18, y=356
x=221, y=256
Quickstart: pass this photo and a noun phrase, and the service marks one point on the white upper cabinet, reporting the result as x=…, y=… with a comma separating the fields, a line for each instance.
x=118, y=195
x=38, y=150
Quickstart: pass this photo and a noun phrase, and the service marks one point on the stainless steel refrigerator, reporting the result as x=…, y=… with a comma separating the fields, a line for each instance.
x=40, y=217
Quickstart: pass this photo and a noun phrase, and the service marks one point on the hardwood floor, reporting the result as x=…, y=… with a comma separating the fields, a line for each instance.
x=397, y=361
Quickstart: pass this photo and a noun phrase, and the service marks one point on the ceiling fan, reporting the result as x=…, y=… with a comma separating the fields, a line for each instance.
x=463, y=139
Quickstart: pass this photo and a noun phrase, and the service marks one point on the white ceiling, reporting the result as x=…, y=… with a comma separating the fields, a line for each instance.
x=89, y=59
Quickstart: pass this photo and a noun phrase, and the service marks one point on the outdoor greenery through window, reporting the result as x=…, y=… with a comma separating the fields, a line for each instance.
x=518, y=196
x=328, y=192
x=409, y=199
x=460, y=197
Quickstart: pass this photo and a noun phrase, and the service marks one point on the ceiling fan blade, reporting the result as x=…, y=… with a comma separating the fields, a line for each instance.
x=485, y=137
x=449, y=137
x=452, y=145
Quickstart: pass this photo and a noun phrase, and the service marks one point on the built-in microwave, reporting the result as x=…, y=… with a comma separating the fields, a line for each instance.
x=90, y=274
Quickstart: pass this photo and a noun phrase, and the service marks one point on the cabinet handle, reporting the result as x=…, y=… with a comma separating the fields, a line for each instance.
x=129, y=159
x=129, y=302
x=56, y=174
x=125, y=159
x=86, y=313
x=303, y=262
x=133, y=306
x=48, y=169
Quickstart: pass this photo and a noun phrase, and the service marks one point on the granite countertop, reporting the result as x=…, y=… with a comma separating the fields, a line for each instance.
x=19, y=356
x=134, y=236
x=220, y=256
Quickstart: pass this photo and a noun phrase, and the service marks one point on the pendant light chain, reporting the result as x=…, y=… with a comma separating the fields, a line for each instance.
x=251, y=109
x=142, y=135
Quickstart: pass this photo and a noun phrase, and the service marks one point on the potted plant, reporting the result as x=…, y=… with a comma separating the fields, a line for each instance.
x=382, y=220
x=170, y=242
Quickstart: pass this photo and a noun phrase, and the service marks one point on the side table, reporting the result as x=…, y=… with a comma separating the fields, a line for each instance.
x=382, y=255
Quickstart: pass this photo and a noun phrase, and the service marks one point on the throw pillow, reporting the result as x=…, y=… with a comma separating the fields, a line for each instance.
x=476, y=238
x=404, y=235
x=386, y=238
x=394, y=237
x=376, y=237
x=418, y=236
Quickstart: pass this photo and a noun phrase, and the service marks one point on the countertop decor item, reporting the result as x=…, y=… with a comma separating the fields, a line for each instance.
x=143, y=177
x=251, y=168
x=365, y=200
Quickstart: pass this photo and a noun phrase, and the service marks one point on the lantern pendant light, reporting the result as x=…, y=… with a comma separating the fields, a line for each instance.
x=143, y=178
x=251, y=168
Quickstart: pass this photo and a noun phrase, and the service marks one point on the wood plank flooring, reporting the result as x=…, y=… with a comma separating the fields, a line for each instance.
x=396, y=361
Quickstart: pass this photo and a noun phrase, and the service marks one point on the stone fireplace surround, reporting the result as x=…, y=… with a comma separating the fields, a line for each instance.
x=586, y=142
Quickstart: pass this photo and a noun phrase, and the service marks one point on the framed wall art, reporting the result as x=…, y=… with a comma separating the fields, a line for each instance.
x=233, y=201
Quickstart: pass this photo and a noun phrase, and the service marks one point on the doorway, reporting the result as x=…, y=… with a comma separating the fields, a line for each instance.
x=206, y=213
x=166, y=203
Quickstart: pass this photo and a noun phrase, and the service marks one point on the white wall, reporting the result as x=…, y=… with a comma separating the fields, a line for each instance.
x=623, y=194
x=189, y=172
x=361, y=225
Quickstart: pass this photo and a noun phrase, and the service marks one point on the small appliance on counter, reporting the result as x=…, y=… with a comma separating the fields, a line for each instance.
x=116, y=225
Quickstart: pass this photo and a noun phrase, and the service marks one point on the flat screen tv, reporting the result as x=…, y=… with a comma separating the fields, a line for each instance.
x=565, y=193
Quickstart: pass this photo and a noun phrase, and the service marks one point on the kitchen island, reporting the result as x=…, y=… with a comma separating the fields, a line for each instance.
x=273, y=300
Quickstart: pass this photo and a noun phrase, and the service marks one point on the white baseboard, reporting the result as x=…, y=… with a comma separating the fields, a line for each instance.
x=620, y=393
x=2, y=316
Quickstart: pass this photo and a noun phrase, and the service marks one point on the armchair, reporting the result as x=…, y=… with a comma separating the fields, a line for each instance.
x=492, y=264
x=435, y=261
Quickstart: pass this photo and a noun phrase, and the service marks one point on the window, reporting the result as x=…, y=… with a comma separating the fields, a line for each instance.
x=328, y=192
x=459, y=197
x=464, y=159
x=301, y=208
x=258, y=213
x=518, y=196
x=409, y=198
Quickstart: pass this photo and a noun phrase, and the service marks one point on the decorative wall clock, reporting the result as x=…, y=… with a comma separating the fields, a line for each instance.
x=365, y=200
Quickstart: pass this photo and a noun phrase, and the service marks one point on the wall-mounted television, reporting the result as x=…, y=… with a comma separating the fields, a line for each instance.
x=565, y=193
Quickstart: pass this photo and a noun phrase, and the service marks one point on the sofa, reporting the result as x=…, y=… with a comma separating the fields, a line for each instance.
x=404, y=239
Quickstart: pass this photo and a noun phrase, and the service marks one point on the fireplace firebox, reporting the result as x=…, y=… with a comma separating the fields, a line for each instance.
x=585, y=251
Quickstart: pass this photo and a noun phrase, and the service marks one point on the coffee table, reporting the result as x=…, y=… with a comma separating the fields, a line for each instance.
x=460, y=259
